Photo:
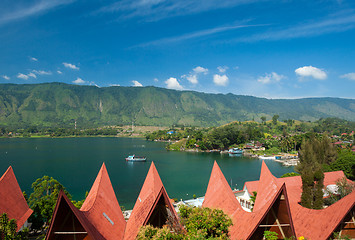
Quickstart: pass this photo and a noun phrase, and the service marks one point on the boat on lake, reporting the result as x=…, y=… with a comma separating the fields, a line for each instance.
x=235, y=151
x=134, y=158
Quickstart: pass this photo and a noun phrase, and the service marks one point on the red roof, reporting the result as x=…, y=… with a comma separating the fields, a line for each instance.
x=219, y=194
x=310, y=223
x=67, y=219
x=12, y=200
x=151, y=192
x=101, y=208
x=267, y=187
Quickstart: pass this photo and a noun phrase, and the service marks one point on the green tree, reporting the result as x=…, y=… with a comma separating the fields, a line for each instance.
x=8, y=229
x=205, y=223
x=313, y=154
x=274, y=119
x=43, y=199
x=263, y=119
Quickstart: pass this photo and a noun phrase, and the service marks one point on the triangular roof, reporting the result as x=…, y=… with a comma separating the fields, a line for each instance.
x=219, y=194
x=267, y=187
x=101, y=207
x=151, y=193
x=12, y=200
x=67, y=220
x=310, y=223
x=276, y=212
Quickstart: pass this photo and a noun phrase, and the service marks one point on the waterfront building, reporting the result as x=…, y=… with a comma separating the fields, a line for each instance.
x=277, y=208
x=12, y=201
x=100, y=216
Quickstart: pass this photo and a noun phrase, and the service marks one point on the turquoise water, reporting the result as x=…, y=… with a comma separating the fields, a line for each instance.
x=75, y=162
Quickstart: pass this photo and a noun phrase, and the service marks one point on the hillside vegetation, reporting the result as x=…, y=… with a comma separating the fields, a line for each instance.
x=59, y=105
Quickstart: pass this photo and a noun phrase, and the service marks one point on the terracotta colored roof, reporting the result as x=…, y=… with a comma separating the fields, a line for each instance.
x=150, y=194
x=219, y=194
x=310, y=223
x=267, y=187
x=12, y=200
x=320, y=224
x=101, y=208
x=62, y=222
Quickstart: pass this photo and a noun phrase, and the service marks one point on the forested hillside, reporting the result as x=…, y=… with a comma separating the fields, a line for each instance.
x=59, y=104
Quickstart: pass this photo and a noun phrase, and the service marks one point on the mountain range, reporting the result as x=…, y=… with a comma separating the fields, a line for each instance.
x=59, y=105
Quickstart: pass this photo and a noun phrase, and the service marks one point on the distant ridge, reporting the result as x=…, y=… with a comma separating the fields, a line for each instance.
x=59, y=104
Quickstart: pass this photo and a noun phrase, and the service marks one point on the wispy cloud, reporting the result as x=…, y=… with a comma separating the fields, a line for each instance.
x=350, y=76
x=71, y=66
x=59, y=72
x=33, y=59
x=154, y=10
x=27, y=10
x=270, y=78
x=222, y=69
x=41, y=72
x=197, y=34
x=5, y=77
x=335, y=23
x=26, y=76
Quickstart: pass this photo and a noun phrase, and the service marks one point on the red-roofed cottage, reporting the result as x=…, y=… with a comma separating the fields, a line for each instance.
x=12, y=200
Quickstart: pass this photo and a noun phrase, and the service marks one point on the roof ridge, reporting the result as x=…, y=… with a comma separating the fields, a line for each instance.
x=98, y=181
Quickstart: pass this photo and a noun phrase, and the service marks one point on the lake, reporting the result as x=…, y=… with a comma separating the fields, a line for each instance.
x=75, y=162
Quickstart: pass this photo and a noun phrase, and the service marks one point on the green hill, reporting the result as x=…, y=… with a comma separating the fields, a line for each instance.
x=58, y=104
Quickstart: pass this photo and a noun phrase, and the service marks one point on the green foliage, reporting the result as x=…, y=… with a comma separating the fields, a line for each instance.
x=274, y=119
x=43, y=199
x=58, y=105
x=252, y=199
x=150, y=232
x=269, y=235
x=8, y=229
x=291, y=174
x=344, y=188
x=345, y=162
x=205, y=223
x=313, y=154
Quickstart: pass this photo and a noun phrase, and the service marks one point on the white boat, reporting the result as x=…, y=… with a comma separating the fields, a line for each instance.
x=133, y=158
x=267, y=157
x=235, y=151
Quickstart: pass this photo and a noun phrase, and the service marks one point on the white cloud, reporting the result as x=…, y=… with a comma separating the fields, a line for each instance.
x=22, y=76
x=59, y=72
x=192, y=78
x=6, y=77
x=71, y=66
x=40, y=72
x=31, y=74
x=222, y=69
x=78, y=81
x=309, y=71
x=28, y=10
x=270, y=78
x=156, y=80
x=220, y=80
x=350, y=76
x=114, y=85
x=173, y=83
x=199, y=69
x=34, y=59
x=236, y=67
x=137, y=84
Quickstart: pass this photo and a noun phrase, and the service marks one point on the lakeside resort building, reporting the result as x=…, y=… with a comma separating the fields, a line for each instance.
x=276, y=208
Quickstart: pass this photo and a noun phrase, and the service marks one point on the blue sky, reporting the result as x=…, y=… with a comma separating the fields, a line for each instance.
x=264, y=48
